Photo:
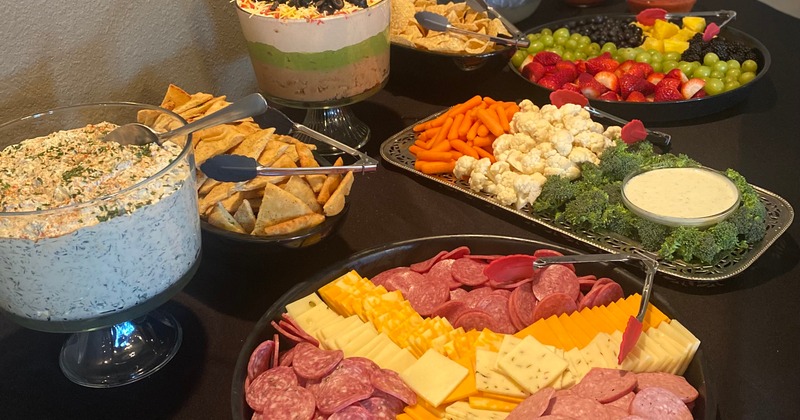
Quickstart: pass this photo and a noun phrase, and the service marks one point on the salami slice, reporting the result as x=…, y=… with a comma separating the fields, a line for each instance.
x=554, y=304
x=578, y=408
x=608, y=293
x=275, y=379
x=522, y=302
x=457, y=253
x=496, y=304
x=276, y=353
x=260, y=359
x=658, y=403
x=353, y=412
x=556, y=278
x=676, y=384
x=383, y=277
x=540, y=253
x=360, y=366
x=311, y=362
x=425, y=295
x=293, y=327
x=469, y=272
x=423, y=266
x=532, y=406
x=510, y=269
x=623, y=402
x=390, y=382
x=382, y=408
x=292, y=403
x=342, y=388
x=442, y=272
x=605, y=385
x=286, y=334
x=450, y=310
x=475, y=319
x=286, y=358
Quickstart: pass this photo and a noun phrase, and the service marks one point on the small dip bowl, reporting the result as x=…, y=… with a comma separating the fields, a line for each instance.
x=691, y=196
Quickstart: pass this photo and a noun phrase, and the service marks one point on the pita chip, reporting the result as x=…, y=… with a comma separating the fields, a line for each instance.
x=175, y=97
x=336, y=203
x=294, y=225
x=330, y=184
x=221, y=218
x=253, y=144
x=278, y=205
x=300, y=189
x=245, y=216
x=219, y=192
x=212, y=146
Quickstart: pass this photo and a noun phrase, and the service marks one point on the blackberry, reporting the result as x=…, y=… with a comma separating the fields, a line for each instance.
x=602, y=29
x=724, y=49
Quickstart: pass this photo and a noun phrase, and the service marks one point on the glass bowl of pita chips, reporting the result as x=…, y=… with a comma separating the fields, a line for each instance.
x=467, y=53
x=289, y=211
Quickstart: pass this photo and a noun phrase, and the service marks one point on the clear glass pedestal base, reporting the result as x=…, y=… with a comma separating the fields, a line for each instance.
x=122, y=353
x=339, y=123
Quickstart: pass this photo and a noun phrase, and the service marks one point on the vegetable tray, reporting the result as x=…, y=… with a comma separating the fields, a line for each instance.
x=779, y=216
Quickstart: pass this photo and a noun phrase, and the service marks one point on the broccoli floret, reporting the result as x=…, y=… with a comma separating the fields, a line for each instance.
x=614, y=191
x=591, y=177
x=684, y=242
x=750, y=218
x=651, y=234
x=725, y=234
x=668, y=160
x=618, y=161
x=555, y=193
x=587, y=209
x=618, y=219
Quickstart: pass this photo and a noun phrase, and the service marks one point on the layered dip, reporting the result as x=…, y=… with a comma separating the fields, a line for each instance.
x=90, y=229
x=317, y=54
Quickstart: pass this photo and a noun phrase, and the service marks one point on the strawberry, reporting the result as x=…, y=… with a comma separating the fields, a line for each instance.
x=629, y=83
x=608, y=79
x=700, y=94
x=547, y=58
x=677, y=74
x=669, y=82
x=603, y=62
x=533, y=71
x=655, y=77
x=667, y=94
x=581, y=66
x=610, y=96
x=590, y=87
x=571, y=87
x=568, y=69
x=564, y=76
x=624, y=67
x=691, y=87
x=642, y=68
x=549, y=82
x=636, y=97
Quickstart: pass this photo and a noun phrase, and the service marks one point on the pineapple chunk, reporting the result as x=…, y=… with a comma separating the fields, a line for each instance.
x=664, y=30
x=651, y=43
x=675, y=46
x=695, y=23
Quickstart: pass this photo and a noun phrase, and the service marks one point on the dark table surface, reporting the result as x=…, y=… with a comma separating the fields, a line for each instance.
x=749, y=325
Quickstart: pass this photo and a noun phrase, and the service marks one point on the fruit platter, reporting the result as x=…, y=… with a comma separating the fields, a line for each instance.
x=659, y=70
x=353, y=340
x=560, y=169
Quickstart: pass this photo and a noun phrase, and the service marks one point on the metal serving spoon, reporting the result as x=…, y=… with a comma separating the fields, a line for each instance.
x=634, y=327
x=482, y=6
x=237, y=168
x=436, y=22
x=140, y=134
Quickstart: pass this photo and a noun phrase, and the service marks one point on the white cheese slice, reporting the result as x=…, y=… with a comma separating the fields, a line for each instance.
x=594, y=357
x=690, y=338
x=532, y=365
x=433, y=377
x=672, y=348
x=494, y=381
x=378, y=346
x=401, y=360
x=302, y=305
x=315, y=318
x=576, y=362
x=461, y=410
x=508, y=344
x=662, y=358
x=362, y=338
x=329, y=332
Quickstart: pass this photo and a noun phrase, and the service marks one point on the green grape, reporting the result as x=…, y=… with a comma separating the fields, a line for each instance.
x=746, y=77
x=560, y=40
x=672, y=56
x=710, y=59
x=668, y=65
x=568, y=55
x=571, y=44
x=732, y=85
x=535, y=47
x=628, y=54
x=532, y=37
x=642, y=57
x=580, y=55
x=518, y=57
x=575, y=36
x=733, y=64
x=655, y=56
x=546, y=31
x=749, y=65
x=657, y=66
x=702, y=71
x=733, y=72
x=608, y=47
x=714, y=86
x=585, y=40
x=547, y=41
x=686, y=67
x=721, y=66
x=717, y=74
x=561, y=32
x=558, y=49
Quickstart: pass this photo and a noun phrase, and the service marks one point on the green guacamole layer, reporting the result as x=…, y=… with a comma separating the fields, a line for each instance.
x=323, y=60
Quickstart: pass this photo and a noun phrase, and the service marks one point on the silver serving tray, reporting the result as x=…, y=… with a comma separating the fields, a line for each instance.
x=779, y=216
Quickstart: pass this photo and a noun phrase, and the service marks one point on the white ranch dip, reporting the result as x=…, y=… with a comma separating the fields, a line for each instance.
x=68, y=250
x=682, y=193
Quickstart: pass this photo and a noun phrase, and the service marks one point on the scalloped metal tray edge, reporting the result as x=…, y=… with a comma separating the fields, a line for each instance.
x=779, y=217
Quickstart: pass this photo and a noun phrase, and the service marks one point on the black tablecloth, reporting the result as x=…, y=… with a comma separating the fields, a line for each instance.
x=749, y=325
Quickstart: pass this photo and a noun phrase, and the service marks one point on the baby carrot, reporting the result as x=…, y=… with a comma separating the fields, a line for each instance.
x=483, y=131
x=482, y=153
x=442, y=134
x=489, y=101
x=473, y=129
x=464, y=106
x=490, y=122
x=442, y=146
x=453, y=132
x=432, y=168
x=466, y=123
x=501, y=117
x=482, y=141
x=463, y=148
x=430, y=155
x=415, y=150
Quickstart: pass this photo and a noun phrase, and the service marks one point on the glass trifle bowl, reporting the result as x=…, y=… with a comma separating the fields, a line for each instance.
x=95, y=236
x=321, y=57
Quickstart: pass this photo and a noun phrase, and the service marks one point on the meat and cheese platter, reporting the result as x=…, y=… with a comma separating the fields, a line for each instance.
x=558, y=167
x=422, y=329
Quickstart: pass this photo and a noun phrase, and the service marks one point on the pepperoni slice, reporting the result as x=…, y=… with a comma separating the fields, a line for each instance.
x=676, y=384
x=391, y=383
x=383, y=277
x=605, y=385
x=457, y=253
x=554, y=304
x=496, y=304
x=658, y=403
x=608, y=293
x=532, y=406
x=442, y=272
x=423, y=266
x=578, y=408
x=522, y=302
x=475, y=319
x=311, y=362
x=556, y=278
x=469, y=272
x=450, y=310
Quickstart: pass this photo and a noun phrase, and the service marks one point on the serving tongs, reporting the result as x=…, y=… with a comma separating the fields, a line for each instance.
x=632, y=131
x=634, y=327
x=649, y=16
x=436, y=22
x=237, y=168
x=482, y=6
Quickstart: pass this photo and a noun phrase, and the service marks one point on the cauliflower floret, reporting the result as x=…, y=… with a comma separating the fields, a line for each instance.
x=507, y=143
x=551, y=114
x=582, y=154
x=527, y=106
x=561, y=166
x=527, y=163
x=573, y=110
x=562, y=141
x=505, y=192
x=592, y=141
x=612, y=132
x=546, y=149
x=464, y=166
x=528, y=188
x=531, y=125
x=497, y=170
x=578, y=123
x=479, y=177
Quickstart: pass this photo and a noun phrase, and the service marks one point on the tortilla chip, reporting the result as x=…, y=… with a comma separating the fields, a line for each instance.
x=221, y=218
x=335, y=204
x=294, y=225
x=300, y=189
x=245, y=216
x=278, y=205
